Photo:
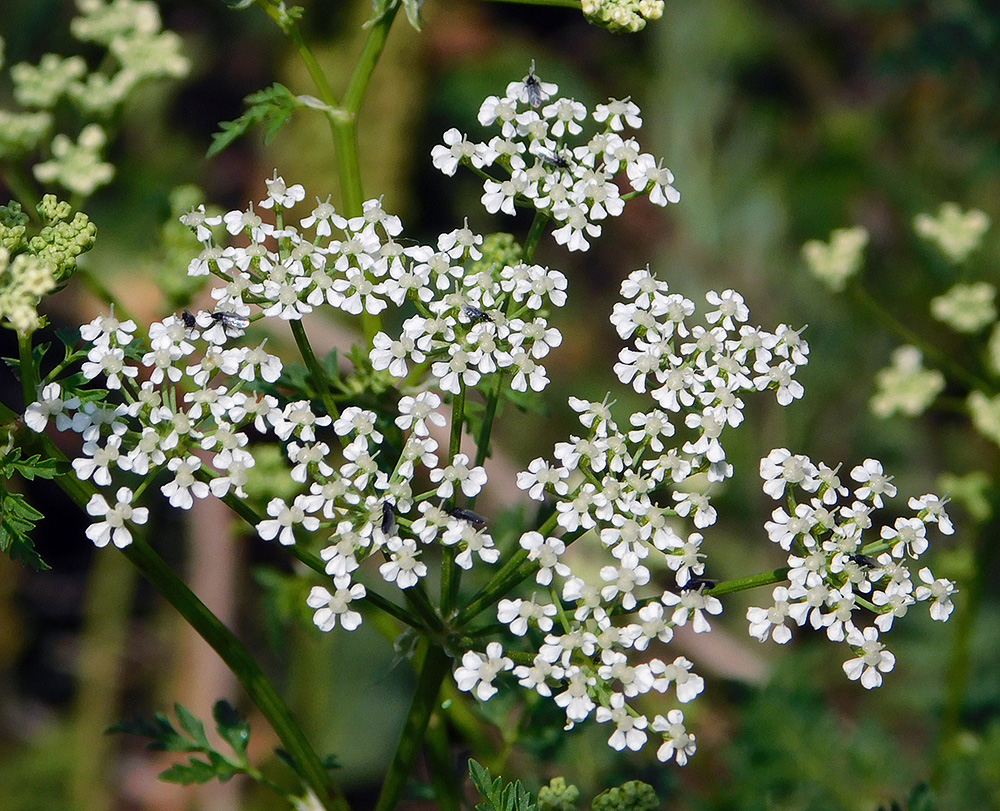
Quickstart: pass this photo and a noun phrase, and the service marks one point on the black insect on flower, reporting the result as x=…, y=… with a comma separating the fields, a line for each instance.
x=233, y=323
x=864, y=561
x=466, y=515
x=189, y=320
x=551, y=158
x=701, y=583
x=533, y=87
x=388, y=518
x=475, y=315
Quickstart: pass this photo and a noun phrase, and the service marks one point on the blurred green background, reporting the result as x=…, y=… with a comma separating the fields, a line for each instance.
x=781, y=122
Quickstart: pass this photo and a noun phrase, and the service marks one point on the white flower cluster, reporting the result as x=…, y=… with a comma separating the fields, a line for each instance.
x=474, y=322
x=192, y=395
x=603, y=485
x=834, y=571
x=167, y=419
x=469, y=322
x=545, y=164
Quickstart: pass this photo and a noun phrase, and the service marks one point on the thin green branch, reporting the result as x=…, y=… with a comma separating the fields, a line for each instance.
x=561, y=3
x=29, y=375
x=535, y=235
x=930, y=351
x=319, y=376
x=750, y=582
x=433, y=670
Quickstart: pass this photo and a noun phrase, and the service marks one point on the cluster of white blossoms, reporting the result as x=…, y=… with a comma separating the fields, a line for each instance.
x=835, y=571
x=187, y=399
x=546, y=164
x=603, y=482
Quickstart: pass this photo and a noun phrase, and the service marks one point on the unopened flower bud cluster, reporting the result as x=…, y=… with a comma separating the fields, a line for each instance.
x=836, y=569
x=32, y=265
x=622, y=16
x=541, y=160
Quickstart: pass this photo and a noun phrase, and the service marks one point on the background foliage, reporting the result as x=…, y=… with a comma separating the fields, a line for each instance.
x=781, y=121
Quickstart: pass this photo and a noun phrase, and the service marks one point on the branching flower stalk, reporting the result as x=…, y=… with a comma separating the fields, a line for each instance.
x=180, y=407
x=480, y=323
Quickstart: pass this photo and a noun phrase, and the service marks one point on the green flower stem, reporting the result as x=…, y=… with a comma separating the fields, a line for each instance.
x=450, y=573
x=750, y=582
x=103, y=292
x=493, y=589
x=222, y=641
x=457, y=418
x=311, y=560
x=535, y=235
x=516, y=569
x=433, y=670
x=29, y=374
x=958, y=372
x=241, y=663
x=440, y=759
x=312, y=66
x=483, y=443
x=23, y=191
x=344, y=125
x=417, y=598
x=319, y=376
x=967, y=611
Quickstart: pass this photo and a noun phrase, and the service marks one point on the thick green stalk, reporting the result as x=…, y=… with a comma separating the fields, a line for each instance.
x=344, y=124
x=29, y=374
x=433, y=671
x=223, y=642
x=241, y=663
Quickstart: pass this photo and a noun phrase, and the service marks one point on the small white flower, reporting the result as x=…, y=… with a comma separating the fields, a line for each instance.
x=873, y=659
x=112, y=528
x=677, y=744
x=629, y=729
x=477, y=671
x=331, y=607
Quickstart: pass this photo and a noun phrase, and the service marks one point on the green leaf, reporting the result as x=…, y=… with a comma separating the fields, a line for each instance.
x=272, y=107
x=17, y=517
x=194, y=771
x=499, y=797
x=194, y=728
x=163, y=737
x=233, y=729
x=17, y=520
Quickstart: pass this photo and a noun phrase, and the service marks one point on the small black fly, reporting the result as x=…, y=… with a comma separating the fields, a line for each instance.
x=864, y=561
x=388, y=518
x=466, y=515
x=232, y=323
x=475, y=315
x=551, y=158
x=701, y=583
x=189, y=320
x=533, y=87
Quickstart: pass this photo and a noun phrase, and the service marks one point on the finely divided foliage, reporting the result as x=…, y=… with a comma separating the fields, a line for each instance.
x=638, y=491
